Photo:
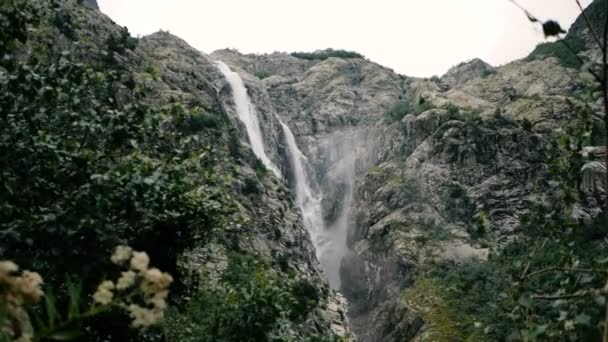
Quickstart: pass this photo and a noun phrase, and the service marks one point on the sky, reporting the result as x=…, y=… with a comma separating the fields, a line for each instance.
x=414, y=37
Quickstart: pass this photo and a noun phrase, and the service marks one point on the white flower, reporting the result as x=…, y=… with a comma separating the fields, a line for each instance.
x=143, y=317
x=104, y=294
x=159, y=300
x=121, y=254
x=126, y=280
x=30, y=285
x=103, y=297
x=140, y=261
x=8, y=266
x=153, y=275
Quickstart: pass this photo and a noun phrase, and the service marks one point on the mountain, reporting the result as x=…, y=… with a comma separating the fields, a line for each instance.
x=395, y=212
x=470, y=149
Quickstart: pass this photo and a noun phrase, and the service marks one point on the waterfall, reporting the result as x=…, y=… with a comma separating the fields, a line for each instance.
x=330, y=245
x=248, y=115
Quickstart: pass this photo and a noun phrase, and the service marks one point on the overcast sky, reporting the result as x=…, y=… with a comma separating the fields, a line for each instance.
x=413, y=37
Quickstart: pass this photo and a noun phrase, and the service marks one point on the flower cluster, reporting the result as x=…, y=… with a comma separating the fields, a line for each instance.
x=149, y=283
x=17, y=292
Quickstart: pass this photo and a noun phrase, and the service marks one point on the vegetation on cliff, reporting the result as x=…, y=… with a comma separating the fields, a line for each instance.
x=90, y=159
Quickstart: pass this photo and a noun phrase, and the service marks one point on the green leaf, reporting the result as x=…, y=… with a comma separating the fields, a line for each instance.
x=66, y=335
x=74, y=292
x=525, y=301
x=51, y=308
x=602, y=260
x=582, y=319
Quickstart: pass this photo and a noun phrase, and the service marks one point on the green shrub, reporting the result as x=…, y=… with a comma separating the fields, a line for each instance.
x=558, y=49
x=398, y=110
x=195, y=120
x=262, y=74
x=251, y=301
x=486, y=73
x=154, y=72
x=325, y=54
x=260, y=169
x=251, y=186
x=422, y=106
x=453, y=111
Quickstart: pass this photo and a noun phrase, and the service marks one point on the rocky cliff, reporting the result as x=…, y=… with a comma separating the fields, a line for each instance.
x=260, y=231
x=411, y=173
x=447, y=182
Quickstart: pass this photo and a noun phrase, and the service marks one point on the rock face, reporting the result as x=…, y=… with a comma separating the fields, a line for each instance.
x=398, y=193
x=416, y=190
x=271, y=225
x=464, y=72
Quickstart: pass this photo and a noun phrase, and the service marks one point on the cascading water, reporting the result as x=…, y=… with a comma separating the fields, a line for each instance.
x=330, y=244
x=247, y=114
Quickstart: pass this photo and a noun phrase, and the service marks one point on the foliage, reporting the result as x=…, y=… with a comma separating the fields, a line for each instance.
x=401, y=108
x=262, y=74
x=260, y=169
x=565, y=51
x=398, y=110
x=140, y=290
x=87, y=162
x=453, y=110
x=446, y=322
x=325, y=54
x=251, y=303
x=473, y=295
x=189, y=121
x=487, y=73
x=546, y=284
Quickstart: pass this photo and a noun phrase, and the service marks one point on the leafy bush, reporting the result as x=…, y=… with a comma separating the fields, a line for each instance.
x=251, y=303
x=251, y=186
x=195, y=120
x=401, y=108
x=398, y=110
x=260, y=169
x=422, y=106
x=453, y=111
x=262, y=74
x=325, y=54
x=559, y=49
x=87, y=162
x=486, y=73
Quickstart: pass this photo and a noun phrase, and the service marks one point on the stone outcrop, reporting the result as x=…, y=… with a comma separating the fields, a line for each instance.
x=466, y=71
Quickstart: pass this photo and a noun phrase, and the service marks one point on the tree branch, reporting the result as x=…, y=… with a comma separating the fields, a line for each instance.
x=578, y=294
x=565, y=269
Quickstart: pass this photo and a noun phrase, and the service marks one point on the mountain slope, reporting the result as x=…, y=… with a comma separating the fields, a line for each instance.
x=180, y=180
x=446, y=182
